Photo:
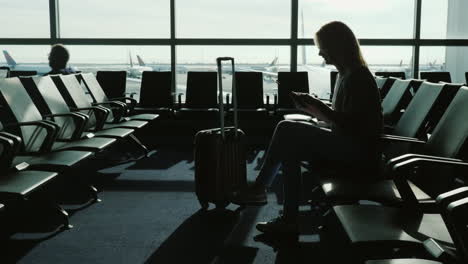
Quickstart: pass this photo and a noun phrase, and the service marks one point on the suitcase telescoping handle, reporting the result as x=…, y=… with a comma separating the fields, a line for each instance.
x=220, y=96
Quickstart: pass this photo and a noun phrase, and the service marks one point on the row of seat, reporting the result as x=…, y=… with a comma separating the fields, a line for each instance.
x=420, y=204
x=53, y=135
x=201, y=96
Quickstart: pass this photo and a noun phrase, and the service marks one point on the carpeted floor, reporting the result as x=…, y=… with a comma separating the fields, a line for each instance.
x=149, y=214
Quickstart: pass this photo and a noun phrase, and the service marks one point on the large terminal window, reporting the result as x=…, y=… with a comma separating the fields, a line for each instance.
x=133, y=59
x=25, y=19
x=114, y=19
x=233, y=19
x=367, y=18
x=266, y=59
x=452, y=59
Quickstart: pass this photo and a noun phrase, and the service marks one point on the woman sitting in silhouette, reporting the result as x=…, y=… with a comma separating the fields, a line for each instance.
x=355, y=119
x=58, y=59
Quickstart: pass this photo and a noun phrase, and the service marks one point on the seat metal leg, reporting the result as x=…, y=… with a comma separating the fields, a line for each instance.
x=94, y=193
x=139, y=143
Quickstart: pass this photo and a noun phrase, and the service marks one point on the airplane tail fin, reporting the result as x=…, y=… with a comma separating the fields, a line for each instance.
x=10, y=61
x=130, y=58
x=140, y=61
x=274, y=62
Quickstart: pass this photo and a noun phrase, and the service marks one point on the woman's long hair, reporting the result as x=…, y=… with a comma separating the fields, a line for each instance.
x=339, y=41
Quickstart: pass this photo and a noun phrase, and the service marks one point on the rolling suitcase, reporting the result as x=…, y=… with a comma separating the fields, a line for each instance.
x=220, y=155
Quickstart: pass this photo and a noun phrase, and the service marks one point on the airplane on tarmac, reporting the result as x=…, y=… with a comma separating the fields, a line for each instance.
x=161, y=67
x=41, y=69
x=14, y=66
x=135, y=71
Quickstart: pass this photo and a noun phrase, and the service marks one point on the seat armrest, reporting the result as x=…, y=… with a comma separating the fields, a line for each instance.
x=408, y=156
x=228, y=101
x=275, y=102
x=101, y=114
x=440, y=252
x=132, y=102
x=405, y=168
x=80, y=121
x=394, y=138
x=8, y=151
x=119, y=109
x=179, y=97
x=16, y=139
x=50, y=127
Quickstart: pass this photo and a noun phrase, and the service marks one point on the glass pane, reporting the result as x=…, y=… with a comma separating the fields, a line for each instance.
x=114, y=19
x=379, y=58
x=95, y=58
x=267, y=59
x=25, y=19
x=367, y=18
x=26, y=58
x=434, y=19
x=444, y=19
x=233, y=19
x=451, y=59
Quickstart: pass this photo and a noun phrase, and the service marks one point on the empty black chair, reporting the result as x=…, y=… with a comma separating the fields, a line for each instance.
x=250, y=96
x=77, y=99
x=436, y=77
x=114, y=83
x=156, y=94
x=100, y=98
x=201, y=97
x=4, y=72
x=20, y=110
x=399, y=75
x=51, y=104
x=384, y=84
x=288, y=82
x=15, y=73
x=397, y=98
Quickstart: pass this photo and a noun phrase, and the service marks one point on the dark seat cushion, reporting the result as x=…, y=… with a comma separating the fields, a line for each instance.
x=392, y=227
x=132, y=124
x=55, y=161
x=385, y=191
x=143, y=117
x=113, y=132
x=402, y=261
x=92, y=144
x=24, y=182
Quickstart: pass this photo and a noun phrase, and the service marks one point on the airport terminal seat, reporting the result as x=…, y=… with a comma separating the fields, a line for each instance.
x=156, y=94
x=100, y=98
x=455, y=220
x=397, y=98
x=466, y=78
x=384, y=84
x=201, y=100
x=399, y=75
x=412, y=125
x=18, y=184
x=77, y=99
x=114, y=83
x=250, y=103
x=17, y=73
x=436, y=77
x=373, y=226
x=4, y=72
x=73, y=125
x=21, y=115
x=288, y=82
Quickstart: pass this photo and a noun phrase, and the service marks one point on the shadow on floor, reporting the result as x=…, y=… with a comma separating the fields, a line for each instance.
x=199, y=239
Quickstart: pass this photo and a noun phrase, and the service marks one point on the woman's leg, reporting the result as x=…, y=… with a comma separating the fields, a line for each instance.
x=304, y=142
